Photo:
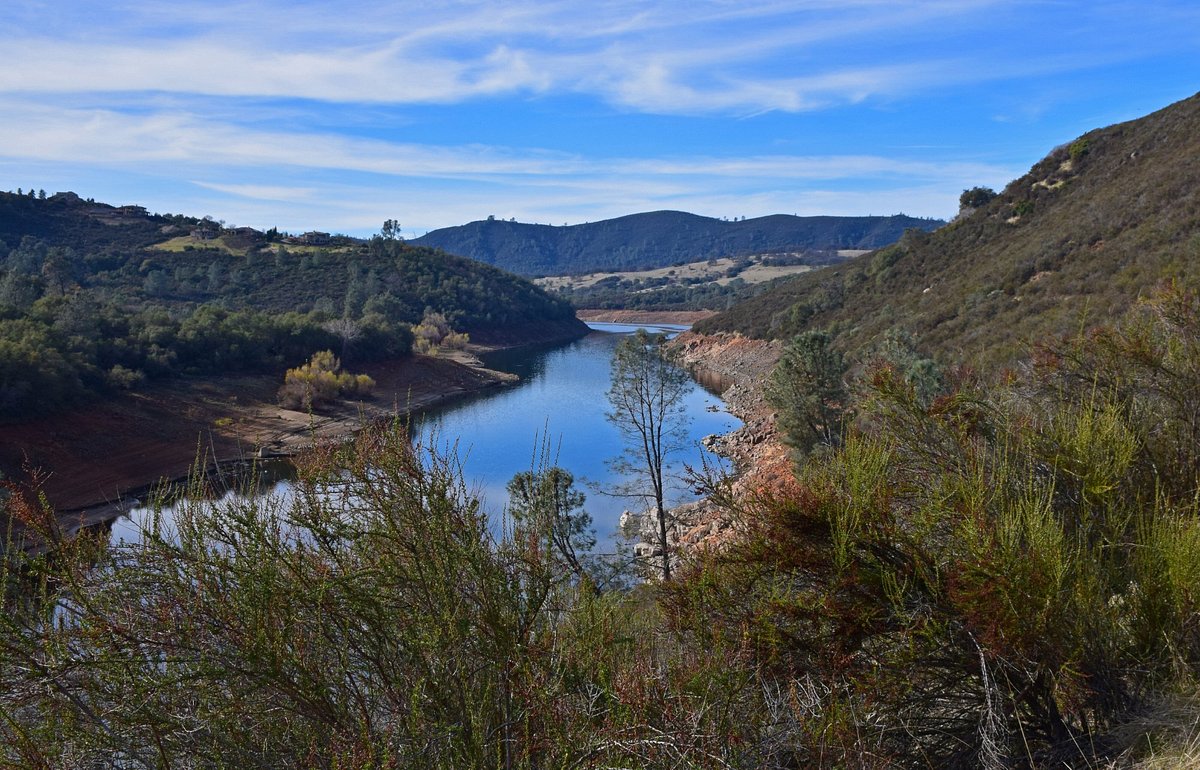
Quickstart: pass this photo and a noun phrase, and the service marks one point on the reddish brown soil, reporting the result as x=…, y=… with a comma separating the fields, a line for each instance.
x=98, y=453
x=763, y=463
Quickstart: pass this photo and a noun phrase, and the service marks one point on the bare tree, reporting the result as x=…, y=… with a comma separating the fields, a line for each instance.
x=646, y=396
x=348, y=331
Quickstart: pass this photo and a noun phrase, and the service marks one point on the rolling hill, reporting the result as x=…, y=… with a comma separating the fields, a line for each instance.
x=64, y=244
x=658, y=239
x=1096, y=223
x=97, y=298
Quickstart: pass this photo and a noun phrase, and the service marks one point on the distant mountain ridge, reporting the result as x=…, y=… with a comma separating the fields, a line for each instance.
x=658, y=239
x=1097, y=223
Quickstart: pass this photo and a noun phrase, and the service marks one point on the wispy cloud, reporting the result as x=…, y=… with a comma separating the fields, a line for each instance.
x=274, y=112
x=530, y=183
x=695, y=57
x=102, y=137
x=261, y=192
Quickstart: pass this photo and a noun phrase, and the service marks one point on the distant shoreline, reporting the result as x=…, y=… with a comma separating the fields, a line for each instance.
x=687, y=317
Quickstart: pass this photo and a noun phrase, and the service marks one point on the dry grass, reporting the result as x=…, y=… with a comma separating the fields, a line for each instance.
x=1099, y=228
x=183, y=242
x=710, y=270
x=1167, y=737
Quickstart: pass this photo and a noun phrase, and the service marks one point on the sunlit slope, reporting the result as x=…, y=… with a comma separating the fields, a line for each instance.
x=1092, y=226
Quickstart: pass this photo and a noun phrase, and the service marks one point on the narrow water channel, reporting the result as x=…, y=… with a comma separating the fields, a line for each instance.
x=561, y=398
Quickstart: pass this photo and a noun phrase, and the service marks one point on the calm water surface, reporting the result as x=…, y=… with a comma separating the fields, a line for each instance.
x=561, y=398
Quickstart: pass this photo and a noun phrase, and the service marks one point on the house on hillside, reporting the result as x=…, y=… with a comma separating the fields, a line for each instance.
x=313, y=238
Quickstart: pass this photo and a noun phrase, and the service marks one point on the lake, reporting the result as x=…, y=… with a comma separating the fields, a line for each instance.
x=561, y=397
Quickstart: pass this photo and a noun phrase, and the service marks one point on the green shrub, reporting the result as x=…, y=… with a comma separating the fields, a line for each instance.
x=808, y=393
x=976, y=197
x=1002, y=576
x=402, y=630
x=123, y=378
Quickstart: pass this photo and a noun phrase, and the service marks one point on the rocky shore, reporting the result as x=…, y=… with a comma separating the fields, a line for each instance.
x=761, y=461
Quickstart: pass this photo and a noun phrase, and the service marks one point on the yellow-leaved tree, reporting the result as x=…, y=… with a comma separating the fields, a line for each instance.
x=320, y=381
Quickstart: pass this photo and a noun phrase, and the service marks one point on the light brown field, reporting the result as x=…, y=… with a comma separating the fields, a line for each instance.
x=712, y=271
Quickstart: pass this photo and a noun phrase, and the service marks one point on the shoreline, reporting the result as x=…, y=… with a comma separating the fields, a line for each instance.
x=762, y=464
x=106, y=456
x=94, y=460
x=687, y=317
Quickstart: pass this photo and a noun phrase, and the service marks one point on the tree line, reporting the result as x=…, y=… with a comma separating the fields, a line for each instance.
x=109, y=316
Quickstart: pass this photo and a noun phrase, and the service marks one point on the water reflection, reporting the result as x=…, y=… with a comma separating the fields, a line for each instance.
x=226, y=484
x=561, y=399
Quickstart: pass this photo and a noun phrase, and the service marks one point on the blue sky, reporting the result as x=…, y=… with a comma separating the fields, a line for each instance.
x=336, y=115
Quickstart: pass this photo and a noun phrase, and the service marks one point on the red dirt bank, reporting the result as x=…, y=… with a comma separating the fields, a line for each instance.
x=762, y=464
x=96, y=454
x=761, y=461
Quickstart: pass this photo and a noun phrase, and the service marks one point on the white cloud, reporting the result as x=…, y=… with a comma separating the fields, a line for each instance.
x=269, y=178
x=105, y=137
x=301, y=113
x=263, y=192
x=672, y=57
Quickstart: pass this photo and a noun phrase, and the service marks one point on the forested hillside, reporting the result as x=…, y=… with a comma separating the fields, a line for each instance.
x=95, y=298
x=1090, y=228
x=659, y=239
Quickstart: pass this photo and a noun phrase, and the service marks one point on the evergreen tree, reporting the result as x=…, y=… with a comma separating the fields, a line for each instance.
x=808, y=392
x=214, y=277
x=548, y=502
